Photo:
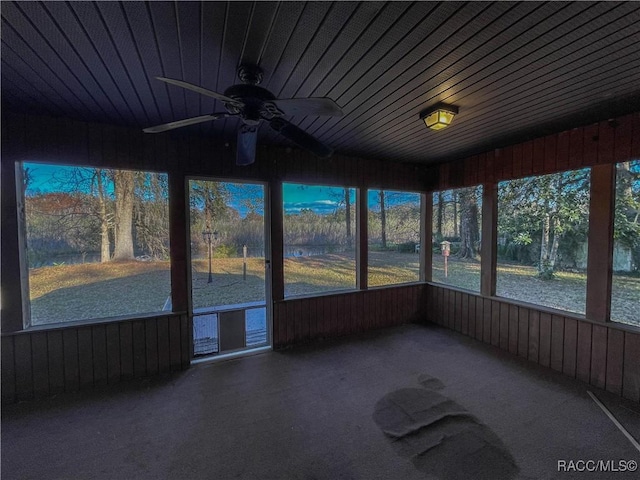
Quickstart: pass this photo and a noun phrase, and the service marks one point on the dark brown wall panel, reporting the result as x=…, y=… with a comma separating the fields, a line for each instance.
x=631, y=378
x=40, y=357
x=544, y=347
x=100, y=361
x=599, y=356
x=67, y=358
x=533, y=353
x=8, y=370
x=583, y=352
x=55, y=350
x=570, y=347
x=557, y=342
x=23, y=365
x=615, y=359
x=523, y=332
x=305, y=319
x=504, y=326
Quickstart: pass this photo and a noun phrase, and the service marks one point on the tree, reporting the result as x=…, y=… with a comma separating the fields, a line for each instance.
x=347, y=206
x=383, y=219
x=124, y=186
x=551, y=208
x=440, y=215
x=105, y=244
x=469, y=229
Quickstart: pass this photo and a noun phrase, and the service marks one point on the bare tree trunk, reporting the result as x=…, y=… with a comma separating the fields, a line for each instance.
x=456, y=230
x=469, y=231
x=383, y=220
x=553, y=256
x=347, y=205
x=105, y=244
x=124, y=184
x=440, y=214
x=544, y=245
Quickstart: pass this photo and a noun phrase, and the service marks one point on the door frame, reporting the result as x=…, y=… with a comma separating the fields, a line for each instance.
x=267, y=266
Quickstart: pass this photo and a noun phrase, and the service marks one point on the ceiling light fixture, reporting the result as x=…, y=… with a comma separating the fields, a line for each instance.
x=438, y=116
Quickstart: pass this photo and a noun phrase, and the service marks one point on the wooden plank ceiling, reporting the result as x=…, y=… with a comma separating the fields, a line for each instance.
x=516, y=70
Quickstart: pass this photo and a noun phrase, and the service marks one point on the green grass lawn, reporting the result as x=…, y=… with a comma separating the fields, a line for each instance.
x=80, y=292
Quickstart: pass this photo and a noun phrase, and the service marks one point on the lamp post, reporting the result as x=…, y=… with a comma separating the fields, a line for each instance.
x=208, y=236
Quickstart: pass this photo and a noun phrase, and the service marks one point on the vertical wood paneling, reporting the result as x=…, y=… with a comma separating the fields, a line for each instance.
x=570, y=347
x=590, y=146
x=523, y=332
x=113, y=352
x=40, y=358
x=464, y=313
x=550, y=153
x=151, y=346
x=100, y=361
x=55, y=351
x=533, y=353
x=8, y=377
x=175, y=344
x=186, y=341
x=23, y=367
x=615, y=350
x=164, y=349
x=538, y=156
x=514, y=324
x=576, y=146
x=599, y=356
x=631, y=378
x=457, y=314
x=126, y=350
x=606, y=136
x=544, y=347
x=583, y=360
x=71, y=370
x=495, y=323
x=85, y=357
x=504, y=326
x=557, y=342
x=562, y=151
x=487, y=320
x=527, y=158
x=479, y=317
x=140, y=347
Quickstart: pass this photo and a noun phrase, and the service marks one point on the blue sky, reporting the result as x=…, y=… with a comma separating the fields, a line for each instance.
x=320, y=199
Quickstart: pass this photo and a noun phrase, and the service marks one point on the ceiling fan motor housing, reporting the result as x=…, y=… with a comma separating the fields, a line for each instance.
x=254, y=98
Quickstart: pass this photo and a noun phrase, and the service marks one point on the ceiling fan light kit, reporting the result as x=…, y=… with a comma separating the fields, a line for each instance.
x=253, y=104
x=438, y=116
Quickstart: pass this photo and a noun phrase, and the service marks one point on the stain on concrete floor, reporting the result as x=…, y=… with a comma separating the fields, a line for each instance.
x=441, y=437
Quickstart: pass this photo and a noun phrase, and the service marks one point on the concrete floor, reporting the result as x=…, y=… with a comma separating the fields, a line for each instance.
x=320, y=412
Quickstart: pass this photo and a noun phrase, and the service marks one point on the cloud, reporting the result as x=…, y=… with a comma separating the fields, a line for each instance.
x=321, y=207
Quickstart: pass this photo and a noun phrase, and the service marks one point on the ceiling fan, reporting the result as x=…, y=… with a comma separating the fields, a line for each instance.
x=254, y=104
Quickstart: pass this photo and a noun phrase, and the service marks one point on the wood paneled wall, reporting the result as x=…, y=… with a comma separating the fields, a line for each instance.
x=615, y=140
x=41, y=362
x=304, y=319
x=603, y=355
x=599, y=352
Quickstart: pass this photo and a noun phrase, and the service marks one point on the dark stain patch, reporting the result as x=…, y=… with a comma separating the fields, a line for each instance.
x=432, y=383
x=441, y=437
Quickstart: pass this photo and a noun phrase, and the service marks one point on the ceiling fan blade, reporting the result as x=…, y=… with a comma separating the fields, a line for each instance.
x=309, y=106
x=202, y=91
x=183, y=123
x=247, y=141
x=300, y=137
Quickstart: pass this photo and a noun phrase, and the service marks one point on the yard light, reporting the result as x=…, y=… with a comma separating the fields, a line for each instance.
x=208, y=236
